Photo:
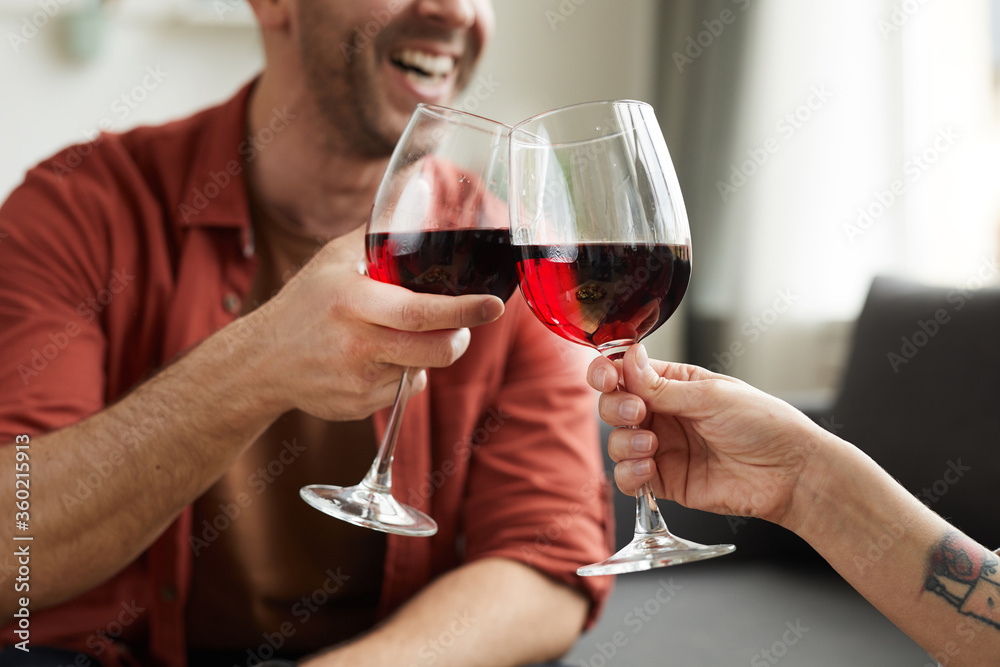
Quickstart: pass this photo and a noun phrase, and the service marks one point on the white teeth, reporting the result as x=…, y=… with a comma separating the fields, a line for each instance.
x=422, y=79
x=434, y=66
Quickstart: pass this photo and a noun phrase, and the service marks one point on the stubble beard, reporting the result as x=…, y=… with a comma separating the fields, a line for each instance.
x=355, y=118
x=343, y=88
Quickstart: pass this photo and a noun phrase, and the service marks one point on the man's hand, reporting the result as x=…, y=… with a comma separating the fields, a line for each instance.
x=334, y=342
x=705, y=440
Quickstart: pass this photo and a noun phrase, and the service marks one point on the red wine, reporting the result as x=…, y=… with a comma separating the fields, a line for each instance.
x=601, y=293
x=451, y=262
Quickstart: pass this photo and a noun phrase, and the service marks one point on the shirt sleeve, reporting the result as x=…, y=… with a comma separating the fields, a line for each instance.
x=537, y=486
x=51, y=292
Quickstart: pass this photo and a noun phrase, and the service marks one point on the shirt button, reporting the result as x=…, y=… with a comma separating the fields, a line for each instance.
x=231, y=303
x=168, y=593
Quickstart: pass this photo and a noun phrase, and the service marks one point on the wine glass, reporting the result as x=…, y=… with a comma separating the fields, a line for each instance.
x=439, y=225
x=603, y=252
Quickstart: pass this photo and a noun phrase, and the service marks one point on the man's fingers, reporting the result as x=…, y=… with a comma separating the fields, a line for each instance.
x=430, y=349
x=399, y=308
x=431, y=312
x=418, y=382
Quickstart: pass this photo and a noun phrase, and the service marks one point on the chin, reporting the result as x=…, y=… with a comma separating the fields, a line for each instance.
x=383, y=124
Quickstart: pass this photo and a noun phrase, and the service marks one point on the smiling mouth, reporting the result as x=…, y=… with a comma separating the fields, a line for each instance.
x=423, y=68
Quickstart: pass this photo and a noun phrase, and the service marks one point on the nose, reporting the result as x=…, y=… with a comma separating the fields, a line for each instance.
x=449, y=13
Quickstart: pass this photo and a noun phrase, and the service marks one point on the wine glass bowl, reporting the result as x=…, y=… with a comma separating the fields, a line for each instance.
x=604, y=295
x=603, y=250
x=439, y=225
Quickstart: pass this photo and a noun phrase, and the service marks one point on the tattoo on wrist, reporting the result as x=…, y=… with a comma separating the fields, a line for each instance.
x=966, y=575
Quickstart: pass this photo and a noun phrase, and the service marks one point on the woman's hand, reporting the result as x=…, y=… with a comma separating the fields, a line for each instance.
x=705, y=440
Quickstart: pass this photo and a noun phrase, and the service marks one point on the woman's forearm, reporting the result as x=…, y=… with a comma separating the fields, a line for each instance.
x=936, y=584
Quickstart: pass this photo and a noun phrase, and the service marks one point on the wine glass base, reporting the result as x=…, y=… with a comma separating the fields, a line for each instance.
x=368, y=508
x=646, y=552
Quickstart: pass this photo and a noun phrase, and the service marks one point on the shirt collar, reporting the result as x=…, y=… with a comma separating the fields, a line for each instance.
x=214, y=193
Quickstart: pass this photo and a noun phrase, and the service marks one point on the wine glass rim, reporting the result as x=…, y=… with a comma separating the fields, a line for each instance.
x=519, y=127
x=447, y=114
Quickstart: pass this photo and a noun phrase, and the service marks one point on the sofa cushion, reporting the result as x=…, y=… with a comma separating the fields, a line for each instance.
x=921, y=395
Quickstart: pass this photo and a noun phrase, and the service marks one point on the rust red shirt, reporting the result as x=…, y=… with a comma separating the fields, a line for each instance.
x=120, y=255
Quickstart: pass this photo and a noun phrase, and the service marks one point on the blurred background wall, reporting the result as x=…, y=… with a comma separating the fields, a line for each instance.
x=818, y=142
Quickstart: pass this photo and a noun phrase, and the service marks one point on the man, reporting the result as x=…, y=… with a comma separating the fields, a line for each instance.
x=179, y=359
x=714, y=443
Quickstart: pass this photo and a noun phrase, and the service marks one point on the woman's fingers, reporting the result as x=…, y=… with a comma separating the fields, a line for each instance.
x=666, y=388
x=602, y=374
x=621, y=409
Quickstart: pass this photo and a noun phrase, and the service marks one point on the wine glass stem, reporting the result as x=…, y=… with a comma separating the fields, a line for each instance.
x=648, y=520
x=379, y=477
